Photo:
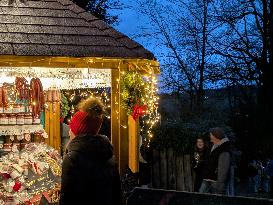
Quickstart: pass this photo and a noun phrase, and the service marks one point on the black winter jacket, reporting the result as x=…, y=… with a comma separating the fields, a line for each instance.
x=212, y=169
x=89, y=173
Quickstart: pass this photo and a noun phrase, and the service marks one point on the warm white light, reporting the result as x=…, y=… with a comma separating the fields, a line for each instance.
x=5, y=79
x=60, y=78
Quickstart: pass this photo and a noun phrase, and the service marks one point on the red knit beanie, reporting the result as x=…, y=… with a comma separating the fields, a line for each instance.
x=81, y=123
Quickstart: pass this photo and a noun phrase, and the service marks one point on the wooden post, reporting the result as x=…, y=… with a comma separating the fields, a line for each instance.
x=57, y=127
x=47, y=120
x=115, y=114
x=124, y=132
x=133, y=144
x=52, y=125
x=124, y=141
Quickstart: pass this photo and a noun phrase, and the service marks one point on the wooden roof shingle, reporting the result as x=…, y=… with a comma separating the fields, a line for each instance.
x=61, y=28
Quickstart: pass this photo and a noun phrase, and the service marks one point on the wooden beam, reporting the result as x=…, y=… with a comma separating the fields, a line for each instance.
x=142, y=65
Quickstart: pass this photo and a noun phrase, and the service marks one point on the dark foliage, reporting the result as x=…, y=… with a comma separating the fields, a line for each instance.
x=101, y=8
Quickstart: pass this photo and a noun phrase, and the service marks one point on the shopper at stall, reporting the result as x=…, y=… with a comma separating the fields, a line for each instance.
x=89, y=173
x=218, y=168
x=199, y=161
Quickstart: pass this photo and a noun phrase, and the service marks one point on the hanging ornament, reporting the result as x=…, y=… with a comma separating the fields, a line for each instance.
x=20, y=137
x=11, y=138
x=27, y=136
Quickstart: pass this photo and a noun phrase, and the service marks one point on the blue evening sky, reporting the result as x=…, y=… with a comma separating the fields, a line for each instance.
x=130, y=24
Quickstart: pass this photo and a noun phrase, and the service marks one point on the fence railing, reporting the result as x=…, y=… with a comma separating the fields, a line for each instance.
x=166, y=197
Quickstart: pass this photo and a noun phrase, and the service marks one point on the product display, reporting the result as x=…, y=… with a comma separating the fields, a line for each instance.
x=28, y=174
x=28, y=170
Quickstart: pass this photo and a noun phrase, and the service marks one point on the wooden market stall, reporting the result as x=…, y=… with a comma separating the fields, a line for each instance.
x=59, y=34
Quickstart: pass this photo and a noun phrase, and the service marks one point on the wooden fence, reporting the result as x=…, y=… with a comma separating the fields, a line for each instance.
x=171, y=171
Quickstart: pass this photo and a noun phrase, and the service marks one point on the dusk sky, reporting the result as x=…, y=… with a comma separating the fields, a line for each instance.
x=131, y=22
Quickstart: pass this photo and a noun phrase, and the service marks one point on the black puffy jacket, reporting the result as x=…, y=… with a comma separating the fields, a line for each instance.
x=89, y=173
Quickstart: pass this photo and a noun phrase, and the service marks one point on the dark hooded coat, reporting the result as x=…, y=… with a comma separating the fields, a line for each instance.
x=89, y=173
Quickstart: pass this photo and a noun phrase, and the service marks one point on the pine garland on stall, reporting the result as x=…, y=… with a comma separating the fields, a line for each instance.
x=134, y=94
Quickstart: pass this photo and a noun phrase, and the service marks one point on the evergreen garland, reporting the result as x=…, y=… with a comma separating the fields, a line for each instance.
x=64, y=106
x=133, y=91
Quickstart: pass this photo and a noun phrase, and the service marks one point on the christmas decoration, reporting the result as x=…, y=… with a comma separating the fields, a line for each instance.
x=139, y=111
x=139, y=99
x=133, y=92
x=64, y=107
x=27, y=175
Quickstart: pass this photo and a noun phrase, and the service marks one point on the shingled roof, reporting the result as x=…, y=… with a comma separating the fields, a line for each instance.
x=60, y=28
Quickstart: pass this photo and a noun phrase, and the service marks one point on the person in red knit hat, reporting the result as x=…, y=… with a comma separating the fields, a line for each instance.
x=89, y=172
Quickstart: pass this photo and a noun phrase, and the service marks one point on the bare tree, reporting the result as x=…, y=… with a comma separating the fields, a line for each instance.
x=182, y=26
x=245, y=42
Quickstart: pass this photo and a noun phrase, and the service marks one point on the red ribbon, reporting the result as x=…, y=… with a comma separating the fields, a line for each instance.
x=138, y=111
x=17, y=186
x=62, y=119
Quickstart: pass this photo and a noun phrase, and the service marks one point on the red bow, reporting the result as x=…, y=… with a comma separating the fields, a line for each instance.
x=138, y=111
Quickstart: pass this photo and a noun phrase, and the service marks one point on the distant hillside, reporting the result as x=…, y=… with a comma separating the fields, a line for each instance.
x=174, y=107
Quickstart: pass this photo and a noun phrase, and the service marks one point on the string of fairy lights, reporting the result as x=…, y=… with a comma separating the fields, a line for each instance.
x=152, y=114
x=75, y=96
x=150, y=99
x=93, y=82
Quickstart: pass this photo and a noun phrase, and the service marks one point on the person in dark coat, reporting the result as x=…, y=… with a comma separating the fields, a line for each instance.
x=199, y=161
x=218, y=168
x=89, y=172
x=269, y=172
